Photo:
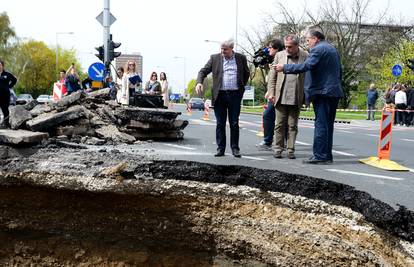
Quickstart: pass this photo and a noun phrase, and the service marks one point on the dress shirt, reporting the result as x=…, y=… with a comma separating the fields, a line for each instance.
x=400, y=97
x=229, y=73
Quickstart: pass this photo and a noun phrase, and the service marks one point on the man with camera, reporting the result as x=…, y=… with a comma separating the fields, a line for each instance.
x=230, y=75
x=269, y=115
x=286, y=93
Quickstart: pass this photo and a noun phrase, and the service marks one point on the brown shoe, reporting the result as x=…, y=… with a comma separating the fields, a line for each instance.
x=291, y=155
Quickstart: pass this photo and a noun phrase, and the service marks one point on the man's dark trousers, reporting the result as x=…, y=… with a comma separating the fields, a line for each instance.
x=227, y=102
x=4, y=104
x=269, y=116
x=325, y=112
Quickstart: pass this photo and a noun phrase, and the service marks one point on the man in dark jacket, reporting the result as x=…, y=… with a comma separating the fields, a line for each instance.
x=323, y=88
x=230, y=75
x=7, y=81
x=372, y=96
x=410, y=106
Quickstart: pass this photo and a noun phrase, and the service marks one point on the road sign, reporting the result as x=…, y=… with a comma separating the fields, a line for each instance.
x=396, y=70
x=112, y=18
x=96, y=71
x=248, y=93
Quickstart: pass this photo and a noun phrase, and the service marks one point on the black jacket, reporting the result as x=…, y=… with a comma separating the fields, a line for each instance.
x=7, y=81
x=410, y=98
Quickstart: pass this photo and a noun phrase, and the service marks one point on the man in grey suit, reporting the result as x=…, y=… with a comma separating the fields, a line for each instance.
x=230, y=75
x=285, y=92
x=323, y=88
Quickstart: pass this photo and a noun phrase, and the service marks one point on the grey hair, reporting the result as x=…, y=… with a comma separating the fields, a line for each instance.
x=316, y=32
x=228, y=43
x=292, y=37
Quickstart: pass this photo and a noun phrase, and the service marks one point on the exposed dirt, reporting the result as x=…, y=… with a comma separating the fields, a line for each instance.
x=67, y=207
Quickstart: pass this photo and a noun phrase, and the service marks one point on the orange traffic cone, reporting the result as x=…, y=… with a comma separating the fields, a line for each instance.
x=189, y=109
x=206, y=111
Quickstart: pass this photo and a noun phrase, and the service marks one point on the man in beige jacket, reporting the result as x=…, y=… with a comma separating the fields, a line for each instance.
x=286, y=92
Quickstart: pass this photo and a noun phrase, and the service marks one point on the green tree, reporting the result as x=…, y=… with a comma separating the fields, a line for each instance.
x=7, y=36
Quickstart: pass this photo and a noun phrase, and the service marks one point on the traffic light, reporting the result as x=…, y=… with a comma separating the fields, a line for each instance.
x=101, y=51
x=112, y=47
x=411, y=65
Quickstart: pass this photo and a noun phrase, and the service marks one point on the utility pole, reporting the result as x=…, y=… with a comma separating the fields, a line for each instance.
x=106, y=31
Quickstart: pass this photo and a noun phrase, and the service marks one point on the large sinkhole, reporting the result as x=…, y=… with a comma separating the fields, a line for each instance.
x=74, y=211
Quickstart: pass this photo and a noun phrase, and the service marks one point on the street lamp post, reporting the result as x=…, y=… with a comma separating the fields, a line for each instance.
x=237, y=24
x=183, y=58
x=57, y=49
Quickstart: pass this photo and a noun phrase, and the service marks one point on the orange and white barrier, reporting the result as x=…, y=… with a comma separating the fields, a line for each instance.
x=206, y=111
x=384, y=145
x=59, y=90
x=189, y=109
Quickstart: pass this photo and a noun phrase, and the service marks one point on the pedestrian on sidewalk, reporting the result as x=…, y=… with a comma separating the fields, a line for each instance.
x=372, y=96
x=230, y=76
x=410, y=106
x=286, y=93
x=269, y=114
x=322, y=88
x=400, y=104
x=7, y=81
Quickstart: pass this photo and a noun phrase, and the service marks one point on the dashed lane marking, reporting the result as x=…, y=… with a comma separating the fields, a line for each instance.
x=253, y=131
x=302, y=143
x=408, y=140
x=182, y=147
x=366, y=174
x=343, y=153
x=252, y=158
x=373, y=135
x=343, y=131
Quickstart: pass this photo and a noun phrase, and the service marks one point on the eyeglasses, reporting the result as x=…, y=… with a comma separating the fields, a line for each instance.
x=131, y=64
x=154, y=75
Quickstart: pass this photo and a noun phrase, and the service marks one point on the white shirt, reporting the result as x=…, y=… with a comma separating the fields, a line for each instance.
x=401, y=97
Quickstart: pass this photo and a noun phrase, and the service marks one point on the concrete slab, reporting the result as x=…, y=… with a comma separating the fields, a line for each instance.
x=21, y=137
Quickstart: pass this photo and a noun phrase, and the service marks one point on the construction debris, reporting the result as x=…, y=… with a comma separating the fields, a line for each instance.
x=90, y=115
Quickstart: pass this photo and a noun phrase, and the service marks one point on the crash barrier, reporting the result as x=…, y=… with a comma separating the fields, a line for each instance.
x=383, y=161
x=261, y=132
x=206, y=111
x=146, y=101
x=59, y=90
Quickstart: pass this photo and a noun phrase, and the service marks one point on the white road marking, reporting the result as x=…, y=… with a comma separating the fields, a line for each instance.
x=366, y=174
x=374, y=135
x=201, y=122
x=249, y=123
x=183, y=147
x=343, y=153
x=411, y=170
x=302, y=143
x=253, y=131
x=408, y=140
x=343, y=131
x=253, y=158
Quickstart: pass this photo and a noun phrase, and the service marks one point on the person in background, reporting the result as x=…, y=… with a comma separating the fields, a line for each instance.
x=87, y=83
x=372, y=96
x=72, y=81
x=269, y=114
x=410, y=106
x=400, y=105
x=153, y=86
x=164, y=89
x=62, y=76
x=128, y=89
x=230, y=76
x=323, y=88
x=7, y=81
x=118, y=83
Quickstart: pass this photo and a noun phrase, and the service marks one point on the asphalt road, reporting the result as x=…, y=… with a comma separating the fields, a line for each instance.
x=352, y=142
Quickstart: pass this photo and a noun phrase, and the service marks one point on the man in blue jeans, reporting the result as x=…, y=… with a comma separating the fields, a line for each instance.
x=269, y=114
x=323, y=88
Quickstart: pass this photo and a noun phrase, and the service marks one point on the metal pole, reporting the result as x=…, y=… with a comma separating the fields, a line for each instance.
x=237, y=25
x=57, y=57
x=185, y=85
x=106, y=31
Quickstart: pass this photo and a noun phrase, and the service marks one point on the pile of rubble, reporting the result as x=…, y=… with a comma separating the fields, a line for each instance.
x=91, y=119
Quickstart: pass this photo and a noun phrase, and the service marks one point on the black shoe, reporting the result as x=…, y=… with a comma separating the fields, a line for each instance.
x=291, y=155
x=317, y=161
x=277, y=155
x=236, y=153
x=264, y=146
x=220, y=153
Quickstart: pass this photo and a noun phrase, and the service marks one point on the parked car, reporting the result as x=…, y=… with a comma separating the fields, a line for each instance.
x=23, y=99
x=13, y=97
x=196, y=103
x=42, y=99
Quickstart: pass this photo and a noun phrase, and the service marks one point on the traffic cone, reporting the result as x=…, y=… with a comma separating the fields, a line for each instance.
x=189, y=110
x=261, y=132
x=206, y=111
x=384, y=145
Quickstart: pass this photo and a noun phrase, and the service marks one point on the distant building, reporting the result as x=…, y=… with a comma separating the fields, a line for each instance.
x=122, y=60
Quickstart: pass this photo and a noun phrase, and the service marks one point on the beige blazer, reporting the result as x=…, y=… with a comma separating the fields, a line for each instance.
x=276, y=79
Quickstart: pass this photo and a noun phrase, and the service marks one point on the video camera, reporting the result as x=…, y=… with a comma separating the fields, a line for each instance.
x=262, y=57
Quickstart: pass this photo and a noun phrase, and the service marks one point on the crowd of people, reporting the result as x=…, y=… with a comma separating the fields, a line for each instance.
x=401, y=97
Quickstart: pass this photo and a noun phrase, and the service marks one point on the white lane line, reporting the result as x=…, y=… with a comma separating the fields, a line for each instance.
x=201, y=122
x=253, y=131
x=411, y=170
x=248, y=123
x=343, y=153
x=366, y=174
x=252, y=158
x=408, y=140
x=182, y=147
x=374, y=135
x=343, y=131
x=303, y=143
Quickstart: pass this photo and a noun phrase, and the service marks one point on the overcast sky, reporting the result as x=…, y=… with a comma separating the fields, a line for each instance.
x=158, y=29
